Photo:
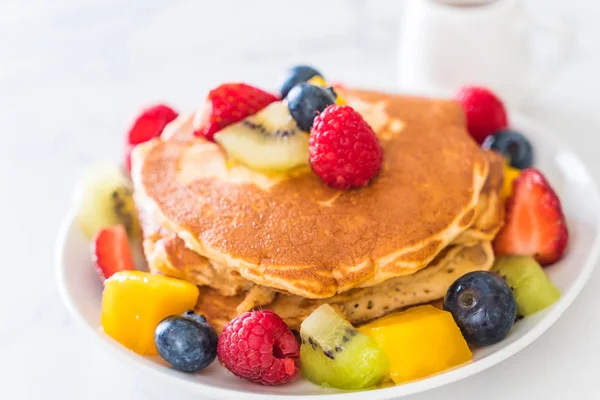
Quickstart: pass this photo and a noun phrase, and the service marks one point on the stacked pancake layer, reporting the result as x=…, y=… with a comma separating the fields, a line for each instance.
x=290, y=243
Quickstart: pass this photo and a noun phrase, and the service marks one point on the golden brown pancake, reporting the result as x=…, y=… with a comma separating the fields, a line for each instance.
x=357, y=305
x=296, y=234
x=218, y=309
x=167, y=254
x=489, y=213
x=470, y=251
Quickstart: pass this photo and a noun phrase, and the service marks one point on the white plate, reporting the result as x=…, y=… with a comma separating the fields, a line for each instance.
x=81, y=292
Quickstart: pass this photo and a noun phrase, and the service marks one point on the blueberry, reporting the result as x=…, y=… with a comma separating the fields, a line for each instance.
x=483, y=307
x=306, y=101
x=513, y=145
x=296, y=75
x=186, y=341
x=190, y=314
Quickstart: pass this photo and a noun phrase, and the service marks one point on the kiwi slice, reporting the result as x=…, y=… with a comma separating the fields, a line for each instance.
x=531, y=287
x=103, y=199
x=335, y=354
x=268, y=141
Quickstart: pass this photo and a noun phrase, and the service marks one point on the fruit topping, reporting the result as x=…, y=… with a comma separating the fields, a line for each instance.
x=111, y=251
x=319, y=81
x=186, y=341
x=259, y=346
x=296, y=75
x=267, y=141
x=510, y=174
x=484, y=111
x=513, y=146
x=134, y=302
x=531, y=287
x=150, y=123
x=483, y=307
x=419, y=342
x=228, y=104
x=343, y=149
x=306, y=101
x=534, y=223
x=335, y=354
x=104, y=199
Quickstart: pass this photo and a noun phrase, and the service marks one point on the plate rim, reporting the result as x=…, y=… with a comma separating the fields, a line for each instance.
x=137, y=362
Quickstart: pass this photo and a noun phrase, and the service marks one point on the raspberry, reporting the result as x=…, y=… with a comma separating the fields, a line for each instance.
x=259, y=346
x=484, y=111
x=343, y=149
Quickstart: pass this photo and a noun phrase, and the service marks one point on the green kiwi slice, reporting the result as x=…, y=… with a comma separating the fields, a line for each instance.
x=268, y=141
x=103, y=199
x=532, y=288
x=335, y=354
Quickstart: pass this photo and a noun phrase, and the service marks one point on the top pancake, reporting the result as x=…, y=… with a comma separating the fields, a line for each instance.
x=167, y=254
x=293, y=232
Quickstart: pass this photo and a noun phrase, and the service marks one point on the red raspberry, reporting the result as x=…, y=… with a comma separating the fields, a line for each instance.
x=228, y=104
x=343, y=149
x=260, y=347
x=150, y=123
x=484, y=111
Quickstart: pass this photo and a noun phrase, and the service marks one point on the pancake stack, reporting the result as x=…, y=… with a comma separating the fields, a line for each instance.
x=289, y=243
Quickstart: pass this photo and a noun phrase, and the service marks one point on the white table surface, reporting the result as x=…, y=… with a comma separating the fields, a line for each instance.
x=72, y=75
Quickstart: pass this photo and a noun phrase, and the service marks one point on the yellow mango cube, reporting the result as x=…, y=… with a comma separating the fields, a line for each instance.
x=134, y=302
x=510, y=174
x=419, y=342
x=319, y=81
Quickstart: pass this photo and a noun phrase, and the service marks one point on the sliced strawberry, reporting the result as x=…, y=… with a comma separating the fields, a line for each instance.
x=535, y=225
x=111, y=251
x=150, y=123
x=228, y=104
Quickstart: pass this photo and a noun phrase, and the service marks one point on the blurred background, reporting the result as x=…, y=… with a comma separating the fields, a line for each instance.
x=73, y=74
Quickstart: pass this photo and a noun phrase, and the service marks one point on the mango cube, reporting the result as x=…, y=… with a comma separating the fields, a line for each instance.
x=319, y=81
x=510, y=174
x=134, y=302
x=419, y=342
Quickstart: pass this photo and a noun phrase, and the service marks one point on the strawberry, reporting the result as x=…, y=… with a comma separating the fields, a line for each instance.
x=484, y=111
x=228, y=104
x=111, y=251
x=148, y=125
x=535, y=225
